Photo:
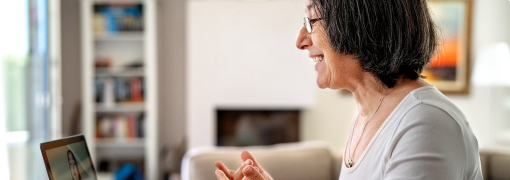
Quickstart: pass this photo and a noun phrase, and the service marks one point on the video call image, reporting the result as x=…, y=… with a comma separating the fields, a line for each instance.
x=70, y=162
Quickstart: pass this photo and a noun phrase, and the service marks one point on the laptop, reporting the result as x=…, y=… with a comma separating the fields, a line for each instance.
x=68, y=158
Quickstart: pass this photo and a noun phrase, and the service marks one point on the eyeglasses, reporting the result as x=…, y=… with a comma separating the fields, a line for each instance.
x=309, y=22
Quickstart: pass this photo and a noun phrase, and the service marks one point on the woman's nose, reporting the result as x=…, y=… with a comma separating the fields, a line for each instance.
x=303, y=41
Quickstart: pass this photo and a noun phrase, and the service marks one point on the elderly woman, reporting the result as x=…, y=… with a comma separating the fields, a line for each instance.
x=404, y=128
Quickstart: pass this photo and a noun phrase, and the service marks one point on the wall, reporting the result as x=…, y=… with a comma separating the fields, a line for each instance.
x=172, y=72
x=71, y=62
x=242, y=54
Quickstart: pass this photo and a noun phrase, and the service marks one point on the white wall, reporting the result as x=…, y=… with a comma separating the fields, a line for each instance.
x=242, y=54
x=172, y=72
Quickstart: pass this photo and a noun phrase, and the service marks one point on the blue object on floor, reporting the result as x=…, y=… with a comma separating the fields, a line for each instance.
x=128, y=172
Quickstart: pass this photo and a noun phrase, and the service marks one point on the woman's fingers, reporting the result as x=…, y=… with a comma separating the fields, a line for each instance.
x=229, y=173
x=252, y=173
x=239, y=174
x=221, y=166
x=220, y=175
x=245, y=155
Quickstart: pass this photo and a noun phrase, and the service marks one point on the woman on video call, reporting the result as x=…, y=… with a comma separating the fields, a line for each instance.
x=404, y=128
x=73, y=166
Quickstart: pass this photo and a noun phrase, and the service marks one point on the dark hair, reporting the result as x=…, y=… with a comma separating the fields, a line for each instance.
x=391, y=38
x=75, y=161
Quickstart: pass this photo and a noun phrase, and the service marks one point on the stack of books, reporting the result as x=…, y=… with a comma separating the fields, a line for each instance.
x=114, y=18
x=110, y=90
x=120, y=126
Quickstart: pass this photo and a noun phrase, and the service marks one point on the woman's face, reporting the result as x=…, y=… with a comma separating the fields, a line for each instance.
x=73, y=166
x=334, y=70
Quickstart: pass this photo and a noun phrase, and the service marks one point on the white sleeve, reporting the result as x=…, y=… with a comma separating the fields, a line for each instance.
x=428, y=144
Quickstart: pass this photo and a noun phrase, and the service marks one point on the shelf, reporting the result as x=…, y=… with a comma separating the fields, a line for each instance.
x=119, y=36
x=113, y=148
x=119, y=72
x=114, y=1
x=120, y=142
x=121, y=107
x=119, y=75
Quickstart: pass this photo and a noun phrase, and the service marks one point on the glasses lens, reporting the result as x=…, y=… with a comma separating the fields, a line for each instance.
x=308, y=25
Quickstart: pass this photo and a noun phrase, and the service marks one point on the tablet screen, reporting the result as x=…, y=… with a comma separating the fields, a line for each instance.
x=68, y=159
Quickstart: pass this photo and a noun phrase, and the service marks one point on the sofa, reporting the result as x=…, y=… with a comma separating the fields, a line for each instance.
x=495, y=163
x=306, y=160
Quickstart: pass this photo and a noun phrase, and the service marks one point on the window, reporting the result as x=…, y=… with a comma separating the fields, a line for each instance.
x=24, y=88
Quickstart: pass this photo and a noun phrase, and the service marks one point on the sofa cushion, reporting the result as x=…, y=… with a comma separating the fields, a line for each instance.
x=495, y=162
x=302, y=160
x=499, y=166
x=484, y=158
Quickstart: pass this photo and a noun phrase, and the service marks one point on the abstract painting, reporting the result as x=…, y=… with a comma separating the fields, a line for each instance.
x=449, y=69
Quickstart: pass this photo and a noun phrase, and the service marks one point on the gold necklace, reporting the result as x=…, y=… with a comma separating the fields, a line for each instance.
x=349, y=161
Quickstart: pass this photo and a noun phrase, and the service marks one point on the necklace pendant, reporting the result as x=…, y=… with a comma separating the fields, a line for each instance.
x=349, y=163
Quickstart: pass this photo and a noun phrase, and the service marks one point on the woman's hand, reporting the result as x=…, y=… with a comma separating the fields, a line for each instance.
x=245, y=172
x=250, y=173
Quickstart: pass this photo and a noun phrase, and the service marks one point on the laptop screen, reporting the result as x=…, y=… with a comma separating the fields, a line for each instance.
x=67, y=159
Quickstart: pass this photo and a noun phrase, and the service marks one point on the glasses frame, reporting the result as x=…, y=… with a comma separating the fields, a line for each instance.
x=309, y=23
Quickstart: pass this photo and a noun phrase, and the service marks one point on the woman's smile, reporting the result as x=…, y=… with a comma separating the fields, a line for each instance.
x=317, y=59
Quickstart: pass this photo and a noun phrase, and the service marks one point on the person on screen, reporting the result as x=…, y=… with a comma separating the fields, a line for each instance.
x=73, y=165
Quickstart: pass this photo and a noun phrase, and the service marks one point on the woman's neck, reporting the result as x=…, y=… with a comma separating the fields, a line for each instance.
x=368, y=93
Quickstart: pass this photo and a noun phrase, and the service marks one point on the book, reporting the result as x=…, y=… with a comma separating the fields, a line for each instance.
x=112, y=90
x=120, y=126
x=114, y=18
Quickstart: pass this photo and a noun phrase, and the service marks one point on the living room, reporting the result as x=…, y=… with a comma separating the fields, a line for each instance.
x=211, y=57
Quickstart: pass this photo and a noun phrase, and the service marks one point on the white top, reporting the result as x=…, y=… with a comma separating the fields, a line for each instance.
x=425, y=137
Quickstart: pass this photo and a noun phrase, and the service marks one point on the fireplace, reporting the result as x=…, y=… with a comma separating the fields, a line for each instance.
x=256, y=127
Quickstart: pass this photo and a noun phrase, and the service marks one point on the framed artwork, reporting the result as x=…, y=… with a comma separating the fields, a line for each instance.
x=449, y=70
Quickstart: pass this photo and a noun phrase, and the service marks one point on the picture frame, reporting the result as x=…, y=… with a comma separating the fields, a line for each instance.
x=449, y=70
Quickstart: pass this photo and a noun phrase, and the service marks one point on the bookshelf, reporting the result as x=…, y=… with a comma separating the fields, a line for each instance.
x=119, y=75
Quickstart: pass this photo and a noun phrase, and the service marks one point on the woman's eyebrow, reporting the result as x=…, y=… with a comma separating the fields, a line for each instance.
x=308, y=7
